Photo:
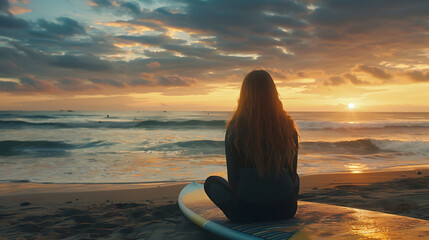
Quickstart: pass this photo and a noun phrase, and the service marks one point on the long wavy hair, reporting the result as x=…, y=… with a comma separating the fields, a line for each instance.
x=268, y=137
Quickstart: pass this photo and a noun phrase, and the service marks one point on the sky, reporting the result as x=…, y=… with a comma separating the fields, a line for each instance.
x=193, y=54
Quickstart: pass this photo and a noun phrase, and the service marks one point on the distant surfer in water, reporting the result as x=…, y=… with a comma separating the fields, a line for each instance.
x=261, y=144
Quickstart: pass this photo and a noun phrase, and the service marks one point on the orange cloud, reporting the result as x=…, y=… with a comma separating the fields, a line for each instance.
x=123, y=44
x=131, y=28
x=146, y=75
x=153, y=65
x=116, y=4
x=15, y=10
x=374, y=71
x=20, y=1
x=159, y=22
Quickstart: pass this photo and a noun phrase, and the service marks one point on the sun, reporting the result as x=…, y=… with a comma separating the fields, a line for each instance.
x=351, y=105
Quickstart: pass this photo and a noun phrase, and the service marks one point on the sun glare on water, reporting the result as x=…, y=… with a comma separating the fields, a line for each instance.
x=351, y=105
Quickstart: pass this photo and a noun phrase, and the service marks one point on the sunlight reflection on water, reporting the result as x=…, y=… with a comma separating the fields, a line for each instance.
x=356, y=167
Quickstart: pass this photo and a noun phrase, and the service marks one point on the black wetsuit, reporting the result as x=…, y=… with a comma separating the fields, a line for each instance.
x=249, y=198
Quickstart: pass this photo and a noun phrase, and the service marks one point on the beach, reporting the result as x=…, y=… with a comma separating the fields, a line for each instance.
x=150, y=211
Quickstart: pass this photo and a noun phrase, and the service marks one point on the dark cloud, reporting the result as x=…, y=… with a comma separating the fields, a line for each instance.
x=374, y=71
x=346, y=13
x=286, y=21
x=301, y=74
x=64, y=27
x=108, y=82
x=153, y=40
x=355, y=80
x=191, y=50
x=8, y=21
x=32, y=83
x=85, y=62
x=140, y=82
x=26, y=84
x=94, y=45
x=4, y=5
x=6, y=86
x=132, y=7
x=334, y=81
x=59, y=36
x=119, y=7
x=174, y=81
x=229, y=21
x=102, y=3
x=68, y=84
x=418, y=76
x=328, y=33
x=40, y=59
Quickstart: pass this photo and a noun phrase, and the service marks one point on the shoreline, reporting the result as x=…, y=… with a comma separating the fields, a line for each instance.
x=150, y=211
x=28, y=188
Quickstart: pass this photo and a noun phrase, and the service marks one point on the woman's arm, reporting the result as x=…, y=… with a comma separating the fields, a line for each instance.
x=295, y=159
x=231, y=160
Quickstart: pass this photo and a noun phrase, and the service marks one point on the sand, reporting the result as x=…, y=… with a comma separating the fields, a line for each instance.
x=150, y=211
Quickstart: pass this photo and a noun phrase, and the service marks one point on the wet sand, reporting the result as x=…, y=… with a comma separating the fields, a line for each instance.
x=150, y=211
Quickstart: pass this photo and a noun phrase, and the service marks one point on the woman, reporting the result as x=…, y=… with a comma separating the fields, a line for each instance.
x=261, y=144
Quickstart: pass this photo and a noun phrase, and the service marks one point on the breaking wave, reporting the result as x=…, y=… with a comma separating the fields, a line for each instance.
x=43, y=148
x=316, y=125
x=358, y=146
x=149, y=124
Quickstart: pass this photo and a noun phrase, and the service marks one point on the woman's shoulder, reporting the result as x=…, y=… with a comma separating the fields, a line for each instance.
x=233, y=131
x=230, y=126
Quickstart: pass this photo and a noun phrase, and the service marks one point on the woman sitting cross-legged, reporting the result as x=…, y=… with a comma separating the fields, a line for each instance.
x=261, y=144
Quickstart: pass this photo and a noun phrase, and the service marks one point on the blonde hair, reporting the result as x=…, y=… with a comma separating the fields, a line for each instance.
x=268, y=141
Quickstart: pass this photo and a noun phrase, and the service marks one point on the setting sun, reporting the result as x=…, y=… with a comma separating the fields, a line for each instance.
x=351, y=105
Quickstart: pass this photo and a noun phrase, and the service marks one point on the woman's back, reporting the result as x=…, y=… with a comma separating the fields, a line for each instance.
x=247, y=183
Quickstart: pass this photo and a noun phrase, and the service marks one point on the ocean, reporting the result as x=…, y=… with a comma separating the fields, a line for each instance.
x=138, y=147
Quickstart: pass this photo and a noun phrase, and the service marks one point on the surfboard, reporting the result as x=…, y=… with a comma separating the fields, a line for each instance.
x=312, y=221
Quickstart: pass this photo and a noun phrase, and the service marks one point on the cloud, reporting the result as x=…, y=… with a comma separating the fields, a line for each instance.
x=334, y=81
x=328, y=33
x=174, y=81
x=101, y=3
x=69, y=84
x=347, y=13
x=132, y=7
x=20, y=1
x=355, y=80
x=374, y=71
x=108, y=82
x=118, y=6
x=7, y=86
x=151, y=40
x=16, y=10
x=85, y=62
x=4, y=5
x=8, y=21
x=418, y=76
x=25, y=84
x=153, y=65
x=23, y=60
x=140, y=82
x=64, y=27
